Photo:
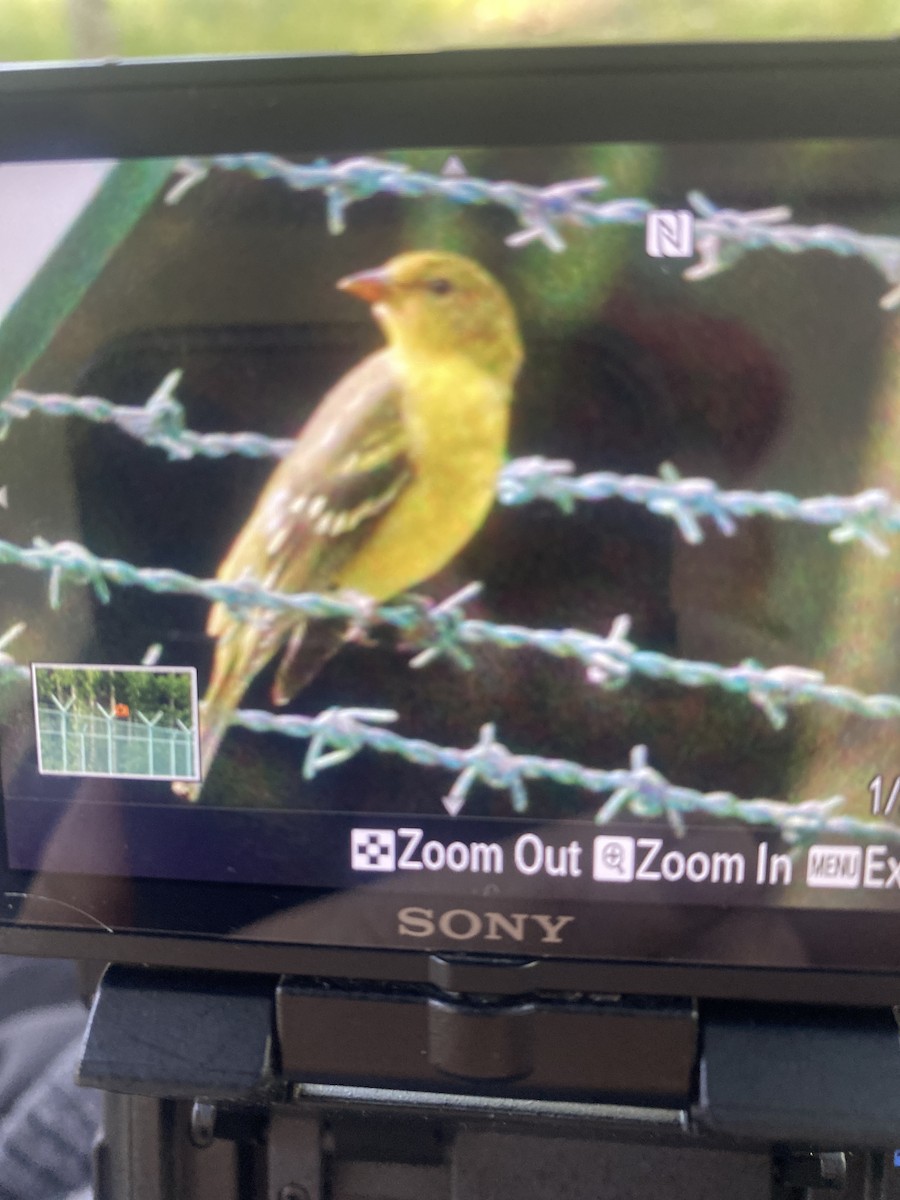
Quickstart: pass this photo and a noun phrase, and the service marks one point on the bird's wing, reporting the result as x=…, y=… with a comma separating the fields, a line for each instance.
x=350, y=463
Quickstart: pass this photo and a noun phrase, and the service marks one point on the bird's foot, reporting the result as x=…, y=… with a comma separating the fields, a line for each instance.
x=358, y=635
x=361, y=618
x=187, y=791
x=434, y=630
x=417, y=624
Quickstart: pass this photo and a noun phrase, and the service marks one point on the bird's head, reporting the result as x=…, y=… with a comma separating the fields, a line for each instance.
x=436, y=303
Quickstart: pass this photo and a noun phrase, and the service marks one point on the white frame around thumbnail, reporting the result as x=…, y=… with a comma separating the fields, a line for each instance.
x=113, y=668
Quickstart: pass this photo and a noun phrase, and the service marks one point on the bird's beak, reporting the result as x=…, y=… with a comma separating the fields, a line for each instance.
x=371, y=286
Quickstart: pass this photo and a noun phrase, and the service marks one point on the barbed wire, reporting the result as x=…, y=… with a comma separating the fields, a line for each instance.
x=722, y=236
x=160, y=423
x=686, y=501
x=338, y=734
x=438, y=629
x=862, y=517
x=540, y=212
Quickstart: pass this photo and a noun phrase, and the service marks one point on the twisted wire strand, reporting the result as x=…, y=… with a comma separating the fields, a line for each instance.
x=159, y=423
x=865, y=517
x=722, y=236
x=444, y=629
x=540, y=212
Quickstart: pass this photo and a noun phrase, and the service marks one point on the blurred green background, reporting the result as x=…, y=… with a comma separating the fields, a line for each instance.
x=63, y=29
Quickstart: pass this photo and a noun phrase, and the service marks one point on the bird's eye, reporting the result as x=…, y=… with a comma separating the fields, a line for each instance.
x=439, y=287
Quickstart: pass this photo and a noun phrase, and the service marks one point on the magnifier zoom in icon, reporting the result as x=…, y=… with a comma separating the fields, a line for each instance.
x=613, y=859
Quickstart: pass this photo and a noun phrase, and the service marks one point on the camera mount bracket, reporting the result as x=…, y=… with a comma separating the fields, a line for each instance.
x=253, y=1062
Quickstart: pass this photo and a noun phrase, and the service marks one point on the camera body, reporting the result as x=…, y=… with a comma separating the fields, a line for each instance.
x=591, y=832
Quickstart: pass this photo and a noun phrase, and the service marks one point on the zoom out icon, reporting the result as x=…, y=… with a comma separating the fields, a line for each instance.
x=613, y=859
x=373, y=850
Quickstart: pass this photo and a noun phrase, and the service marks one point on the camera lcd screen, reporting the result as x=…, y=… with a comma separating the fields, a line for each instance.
x=498, y=539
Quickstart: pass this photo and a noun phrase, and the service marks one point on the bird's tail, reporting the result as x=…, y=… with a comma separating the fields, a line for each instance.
x=241, y=652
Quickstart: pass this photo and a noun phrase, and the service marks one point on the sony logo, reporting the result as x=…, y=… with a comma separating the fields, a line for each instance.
x=463, y=925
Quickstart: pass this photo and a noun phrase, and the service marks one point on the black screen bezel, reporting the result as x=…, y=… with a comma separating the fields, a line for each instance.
x=510, y=97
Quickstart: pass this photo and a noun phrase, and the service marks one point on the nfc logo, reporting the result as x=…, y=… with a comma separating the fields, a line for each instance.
x=670, y=233
x=834, y=866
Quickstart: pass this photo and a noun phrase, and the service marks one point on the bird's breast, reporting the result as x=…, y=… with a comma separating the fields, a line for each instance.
x=457, y=422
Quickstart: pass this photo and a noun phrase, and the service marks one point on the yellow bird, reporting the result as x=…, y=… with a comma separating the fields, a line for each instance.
x=390, y=477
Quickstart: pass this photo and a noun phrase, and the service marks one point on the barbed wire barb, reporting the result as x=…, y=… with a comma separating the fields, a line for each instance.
x=338, y=724
x=10, y=670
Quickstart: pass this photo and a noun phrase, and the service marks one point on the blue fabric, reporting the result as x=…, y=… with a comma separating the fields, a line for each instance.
x=47, y=1123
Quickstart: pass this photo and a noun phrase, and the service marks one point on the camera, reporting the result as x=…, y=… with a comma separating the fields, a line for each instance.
x=448, y=557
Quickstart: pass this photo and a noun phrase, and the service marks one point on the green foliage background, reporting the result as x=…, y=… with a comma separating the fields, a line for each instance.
x=148, y=692
x=61, y=29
